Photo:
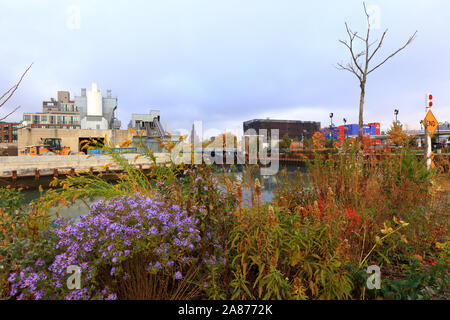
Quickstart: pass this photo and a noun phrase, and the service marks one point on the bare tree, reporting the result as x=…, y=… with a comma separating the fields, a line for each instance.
x=361, y=68
x=8, y=94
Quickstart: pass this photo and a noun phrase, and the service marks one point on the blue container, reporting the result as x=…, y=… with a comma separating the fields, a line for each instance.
x=366, y=129
x=118, y=150
x=93, y=151
x=325, y=132
x=353, y=129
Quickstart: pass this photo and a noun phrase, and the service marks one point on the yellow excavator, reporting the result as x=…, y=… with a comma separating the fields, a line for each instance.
x=49, y=146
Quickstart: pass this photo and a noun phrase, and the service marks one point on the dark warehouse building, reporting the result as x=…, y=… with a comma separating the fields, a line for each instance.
x=293, y=128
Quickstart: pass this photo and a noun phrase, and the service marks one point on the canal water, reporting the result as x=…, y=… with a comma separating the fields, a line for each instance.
x=268, y=187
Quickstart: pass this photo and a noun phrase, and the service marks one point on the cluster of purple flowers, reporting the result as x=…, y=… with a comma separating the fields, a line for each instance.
x=114, y=231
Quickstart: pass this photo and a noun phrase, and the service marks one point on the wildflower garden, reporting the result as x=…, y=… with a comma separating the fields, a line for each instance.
x=183, y=232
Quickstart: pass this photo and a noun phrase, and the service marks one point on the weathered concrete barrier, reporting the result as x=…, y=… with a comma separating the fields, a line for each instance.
x=46, y=165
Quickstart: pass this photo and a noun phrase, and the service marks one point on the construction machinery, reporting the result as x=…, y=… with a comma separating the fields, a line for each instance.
x=49, y=146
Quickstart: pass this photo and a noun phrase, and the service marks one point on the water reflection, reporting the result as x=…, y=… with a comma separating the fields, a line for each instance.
x=268, y=187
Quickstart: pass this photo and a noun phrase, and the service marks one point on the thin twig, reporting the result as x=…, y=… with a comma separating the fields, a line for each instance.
x=15, y=87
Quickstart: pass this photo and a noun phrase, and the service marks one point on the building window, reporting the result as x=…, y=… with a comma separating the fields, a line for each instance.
x=6, y=138
x=36, y=119
x=52, y=119
x=27, y=117
x=43, y=119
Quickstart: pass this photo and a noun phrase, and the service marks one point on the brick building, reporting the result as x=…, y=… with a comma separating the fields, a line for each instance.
x=8, y=132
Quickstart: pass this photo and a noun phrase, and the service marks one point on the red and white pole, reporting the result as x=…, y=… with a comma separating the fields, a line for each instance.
x=428, y=105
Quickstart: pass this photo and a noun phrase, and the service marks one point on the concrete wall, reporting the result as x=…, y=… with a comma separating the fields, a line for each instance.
x=26, y=165
x=69, y=137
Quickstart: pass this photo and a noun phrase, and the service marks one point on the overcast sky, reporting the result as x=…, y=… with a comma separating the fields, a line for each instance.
x=226, y=61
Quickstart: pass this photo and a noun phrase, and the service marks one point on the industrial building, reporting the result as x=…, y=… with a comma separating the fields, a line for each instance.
x=89, y=111
x=61, y=113
x=149, y=122
x=96, y=111
x=153, y=131
x=293, y=128
x=68, y=137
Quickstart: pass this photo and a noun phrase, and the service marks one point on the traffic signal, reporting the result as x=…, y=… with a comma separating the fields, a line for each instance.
x=429, y=100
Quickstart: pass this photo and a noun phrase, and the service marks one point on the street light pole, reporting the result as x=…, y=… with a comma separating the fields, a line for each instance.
x=396, y=113
x=331, y=126
x=345, y=129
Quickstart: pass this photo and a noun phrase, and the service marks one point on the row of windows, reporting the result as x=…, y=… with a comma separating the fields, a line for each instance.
x=68, y=107
x=55, y=127
x=46, y=119
x=7, y=126
x=5, y=138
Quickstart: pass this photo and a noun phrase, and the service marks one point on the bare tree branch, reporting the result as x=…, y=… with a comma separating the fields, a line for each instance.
x=3, y=118
x=397, y=51
x=14, y=88
x=349, y=68
x=350, y=46
x=7, y=92
x=379, y=44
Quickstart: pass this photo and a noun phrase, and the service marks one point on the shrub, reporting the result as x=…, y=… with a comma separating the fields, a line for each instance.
x=20, y=231
x=122, y=242
x=278, y=255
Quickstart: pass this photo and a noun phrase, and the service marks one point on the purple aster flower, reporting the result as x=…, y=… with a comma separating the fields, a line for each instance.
x=111, y=296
